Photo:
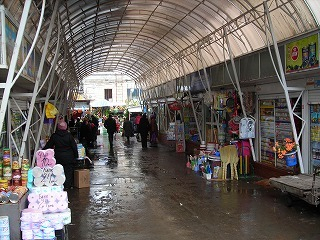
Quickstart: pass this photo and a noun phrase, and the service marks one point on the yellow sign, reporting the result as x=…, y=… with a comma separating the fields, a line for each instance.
x=302, y=54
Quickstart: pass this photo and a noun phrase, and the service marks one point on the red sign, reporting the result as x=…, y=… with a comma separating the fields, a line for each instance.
x=175, y=106
x=294, y=53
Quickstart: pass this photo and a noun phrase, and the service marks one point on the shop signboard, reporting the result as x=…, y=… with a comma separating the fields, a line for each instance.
x=302, y=54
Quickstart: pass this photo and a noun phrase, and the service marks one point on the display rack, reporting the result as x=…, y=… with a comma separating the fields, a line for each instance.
x=267, y=131
x=315, y=134
x=189, y=124
x=283, y=127
x=275, y=126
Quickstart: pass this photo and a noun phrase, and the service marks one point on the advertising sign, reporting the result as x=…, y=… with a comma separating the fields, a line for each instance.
x=302, y=54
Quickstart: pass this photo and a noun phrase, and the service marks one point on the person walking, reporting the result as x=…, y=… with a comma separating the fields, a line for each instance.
x=136, y=124
x=110, y=125
x=65, y=151
x=128, y=129
x=143, y=129
x=78, y=126
x=85, y=133
x=153, y=131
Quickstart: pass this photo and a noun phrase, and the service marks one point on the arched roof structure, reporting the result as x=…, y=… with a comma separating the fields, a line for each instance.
x=145, y=38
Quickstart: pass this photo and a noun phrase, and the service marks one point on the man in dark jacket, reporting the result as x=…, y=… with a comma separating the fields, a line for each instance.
x=110, y=125
x=143, y=129
x=85, y=134
x=65, y=151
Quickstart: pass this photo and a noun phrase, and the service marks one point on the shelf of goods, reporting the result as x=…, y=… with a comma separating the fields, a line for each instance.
x=190, y=125
x=315, y=134
x=275, y=126
x=13, y=198
x=267, y=130
x=283, y=126
x=48, y=210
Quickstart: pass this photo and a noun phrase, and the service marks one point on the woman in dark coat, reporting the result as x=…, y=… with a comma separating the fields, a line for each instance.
x=85, y=134
x=65, y=151
x=143, y=129
x=128, y=129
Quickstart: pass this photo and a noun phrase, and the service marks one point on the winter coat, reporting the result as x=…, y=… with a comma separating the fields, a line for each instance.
x=65, y=147
x=128, y=128
x=110, y=125
x=144, y=126
x=137, y=120
x=85, y=132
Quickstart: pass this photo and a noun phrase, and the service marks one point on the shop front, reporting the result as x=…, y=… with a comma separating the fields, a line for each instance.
x=264, y=101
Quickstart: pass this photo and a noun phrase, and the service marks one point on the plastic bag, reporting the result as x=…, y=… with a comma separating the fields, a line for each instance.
x=51, y=110
x=138, y=137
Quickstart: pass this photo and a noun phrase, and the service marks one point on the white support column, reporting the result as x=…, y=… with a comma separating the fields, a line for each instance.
x=3, y=36
x=211, y=97
x=192, y=105
x=283, y=82
x=63, y=100
x=239, y=92
x=37, y=142
x=36, y=86
x=13, y=62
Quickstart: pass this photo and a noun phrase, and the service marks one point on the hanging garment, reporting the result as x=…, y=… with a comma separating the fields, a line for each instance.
x=51, y=110
x=247, y=128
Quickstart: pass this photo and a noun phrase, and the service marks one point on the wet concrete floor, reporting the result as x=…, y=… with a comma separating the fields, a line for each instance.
x=138, y=194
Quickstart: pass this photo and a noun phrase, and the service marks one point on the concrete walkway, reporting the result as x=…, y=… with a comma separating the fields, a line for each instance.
x=149, y=194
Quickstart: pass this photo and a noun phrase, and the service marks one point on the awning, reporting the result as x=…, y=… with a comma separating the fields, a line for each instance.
x=137, y=109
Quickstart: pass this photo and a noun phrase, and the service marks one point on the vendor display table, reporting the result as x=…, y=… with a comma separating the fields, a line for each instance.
x=13, y=211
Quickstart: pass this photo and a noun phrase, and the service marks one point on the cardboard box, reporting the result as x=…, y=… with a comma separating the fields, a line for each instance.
x=82, y=178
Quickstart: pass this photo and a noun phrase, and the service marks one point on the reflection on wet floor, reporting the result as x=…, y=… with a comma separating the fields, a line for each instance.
x=142, y=195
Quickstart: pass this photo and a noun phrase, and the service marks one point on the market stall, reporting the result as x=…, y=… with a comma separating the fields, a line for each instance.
x=33, y=203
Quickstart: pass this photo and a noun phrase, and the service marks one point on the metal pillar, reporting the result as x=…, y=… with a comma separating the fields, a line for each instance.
x=37, y=142
x=283, y=82
x=239, y=92
x=210, y=96
x=13, y=62
x=36, y=86
x=192, y=105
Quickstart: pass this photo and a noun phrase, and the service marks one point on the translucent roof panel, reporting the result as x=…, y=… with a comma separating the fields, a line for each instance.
x=148, y=39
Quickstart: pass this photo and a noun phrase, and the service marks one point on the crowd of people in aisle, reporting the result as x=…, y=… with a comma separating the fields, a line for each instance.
x=85, y=130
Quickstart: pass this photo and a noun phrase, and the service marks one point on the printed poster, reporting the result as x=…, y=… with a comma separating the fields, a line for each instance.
x=302, y=54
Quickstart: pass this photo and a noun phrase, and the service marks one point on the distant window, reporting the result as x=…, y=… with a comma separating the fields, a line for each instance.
x=108, y=94
x=132, y=93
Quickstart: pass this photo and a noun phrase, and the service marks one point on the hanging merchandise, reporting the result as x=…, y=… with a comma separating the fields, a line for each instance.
x=249, y=102
x=208, y=99
x=51, y=110
x=175, y=106
x=219, y=100
x=233, y=125
x=247, y=128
